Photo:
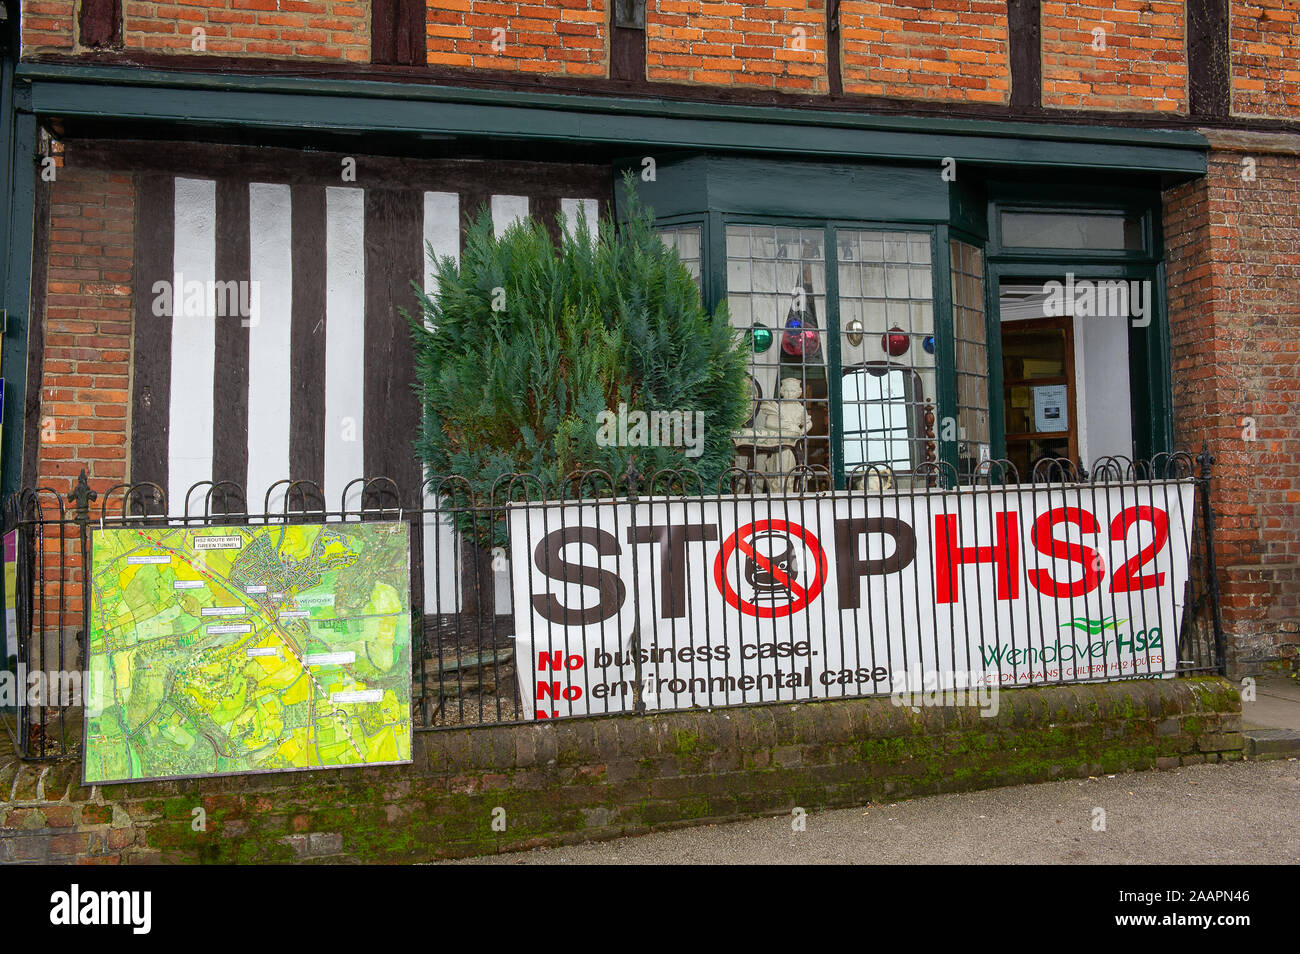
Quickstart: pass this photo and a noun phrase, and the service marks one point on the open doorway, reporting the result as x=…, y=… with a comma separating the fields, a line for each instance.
x=1066, y=390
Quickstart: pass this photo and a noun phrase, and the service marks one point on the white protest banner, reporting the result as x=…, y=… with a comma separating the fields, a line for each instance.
x=727, y=600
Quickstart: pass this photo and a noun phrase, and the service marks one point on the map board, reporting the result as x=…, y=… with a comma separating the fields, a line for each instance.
x=227, y=650
x=11, y=596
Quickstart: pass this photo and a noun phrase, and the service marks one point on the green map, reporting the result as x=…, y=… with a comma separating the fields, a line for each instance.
x=217, y=650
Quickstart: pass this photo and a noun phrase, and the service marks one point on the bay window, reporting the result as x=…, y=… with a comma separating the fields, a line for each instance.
x=877, y=304
x=865, y=332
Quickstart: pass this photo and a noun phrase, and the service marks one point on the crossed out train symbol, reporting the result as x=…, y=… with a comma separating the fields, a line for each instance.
x=770, y=569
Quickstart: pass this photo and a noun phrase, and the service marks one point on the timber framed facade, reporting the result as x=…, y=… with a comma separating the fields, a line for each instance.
x=921, y=176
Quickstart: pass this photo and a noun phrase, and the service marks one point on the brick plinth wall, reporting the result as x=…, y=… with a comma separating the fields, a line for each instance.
x=1233, y=248
x=582, y=779
x=1142, y=66
x=927, y=49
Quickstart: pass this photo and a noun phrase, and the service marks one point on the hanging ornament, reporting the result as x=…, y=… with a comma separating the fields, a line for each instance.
x=762, y=336
x=928, y=344
x=853, y=331
x=895, y=342
x=798, y=340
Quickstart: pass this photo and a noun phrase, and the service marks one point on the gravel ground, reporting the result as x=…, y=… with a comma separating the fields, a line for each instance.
x=1233, y=813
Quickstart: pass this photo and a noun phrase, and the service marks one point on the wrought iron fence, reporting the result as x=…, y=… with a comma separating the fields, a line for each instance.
x=635, y=592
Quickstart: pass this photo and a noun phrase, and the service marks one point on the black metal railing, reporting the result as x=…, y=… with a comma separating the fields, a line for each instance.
x=653, y=591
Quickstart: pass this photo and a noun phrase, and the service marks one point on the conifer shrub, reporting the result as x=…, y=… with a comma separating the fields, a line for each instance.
x=525, y=352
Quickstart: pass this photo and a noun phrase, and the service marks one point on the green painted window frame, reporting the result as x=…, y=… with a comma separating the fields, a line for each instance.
x=714, y=266
x=1142, y=214
x=1150, y=368
x=1150, y=372
x=1150, y=355
x=1050, y=197
x=990, y=343
x=664, y=223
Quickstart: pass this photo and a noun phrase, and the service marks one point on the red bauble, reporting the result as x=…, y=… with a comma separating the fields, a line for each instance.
x=804, y=343
x=895, y=342
x=799, y=341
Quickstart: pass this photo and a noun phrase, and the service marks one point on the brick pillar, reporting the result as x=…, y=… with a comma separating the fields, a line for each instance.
x=1233, y=252
x=84, y=375
x=85, y=378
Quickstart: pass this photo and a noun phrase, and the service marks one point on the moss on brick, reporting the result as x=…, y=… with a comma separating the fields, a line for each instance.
x=685, y=742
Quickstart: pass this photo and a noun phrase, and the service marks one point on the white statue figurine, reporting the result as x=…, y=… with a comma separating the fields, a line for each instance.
x=779, y=422
x=878, y=478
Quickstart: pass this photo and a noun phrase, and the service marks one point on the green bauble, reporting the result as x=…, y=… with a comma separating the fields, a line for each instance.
x=762, y=336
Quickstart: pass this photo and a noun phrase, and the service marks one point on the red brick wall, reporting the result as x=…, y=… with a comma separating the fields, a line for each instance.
x=47, y=25
x=780, y=44
x=85, y=373
x=1233, y=251
x=1144, y=63
x=304, y=29
x=85, y=380
x=948, y=50
x=1264, y=47
x=926, y=49
x=570, y=37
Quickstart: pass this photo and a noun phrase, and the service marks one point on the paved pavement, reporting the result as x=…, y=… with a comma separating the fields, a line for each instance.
x=1232, y=813
x=1270, y=722
x=1276, y=705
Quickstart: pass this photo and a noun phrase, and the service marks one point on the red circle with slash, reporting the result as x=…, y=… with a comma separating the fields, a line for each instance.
x=800, y=596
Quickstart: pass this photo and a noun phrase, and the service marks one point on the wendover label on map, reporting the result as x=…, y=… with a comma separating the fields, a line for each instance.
x=247, y=649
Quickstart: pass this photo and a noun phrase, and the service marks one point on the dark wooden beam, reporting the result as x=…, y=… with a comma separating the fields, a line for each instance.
x=1026, y=39
x=101, y=24
x=1209, y=85
x=833, y=74
x=394, y=237
x=546, y=210
x=307, y=333
x=296, y=167
x=230, y=396
x=397, y=32
x=151, y=374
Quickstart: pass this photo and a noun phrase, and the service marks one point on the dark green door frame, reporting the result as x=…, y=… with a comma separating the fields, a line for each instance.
x=17, y=205
x=15, y=297
x=1150, y=367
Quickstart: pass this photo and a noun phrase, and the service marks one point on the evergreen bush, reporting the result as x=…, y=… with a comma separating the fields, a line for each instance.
x=523, y=345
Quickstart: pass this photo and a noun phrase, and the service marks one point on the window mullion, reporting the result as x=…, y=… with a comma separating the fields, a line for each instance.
x=834, y=367
x=945, y=353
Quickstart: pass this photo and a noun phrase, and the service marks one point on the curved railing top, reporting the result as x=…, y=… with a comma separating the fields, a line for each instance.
x=382, y=497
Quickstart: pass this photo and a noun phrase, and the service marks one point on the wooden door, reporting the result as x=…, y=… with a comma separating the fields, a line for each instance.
x=1038, y=401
